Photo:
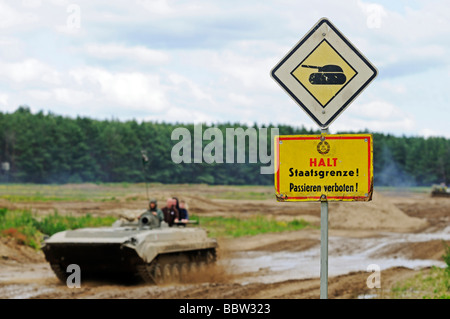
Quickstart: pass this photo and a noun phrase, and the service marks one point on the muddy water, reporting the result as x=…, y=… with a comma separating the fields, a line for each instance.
x=345, y=255
x=24, y=291
x=19, y=281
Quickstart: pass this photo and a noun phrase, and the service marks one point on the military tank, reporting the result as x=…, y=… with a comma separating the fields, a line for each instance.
x=155, y=254
x=329, y=74
x=440, y=191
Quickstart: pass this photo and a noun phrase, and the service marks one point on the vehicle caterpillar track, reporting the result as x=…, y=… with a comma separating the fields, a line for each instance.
x=175, y=268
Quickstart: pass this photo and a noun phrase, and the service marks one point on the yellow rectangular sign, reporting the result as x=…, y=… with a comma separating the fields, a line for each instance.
x=338, y=167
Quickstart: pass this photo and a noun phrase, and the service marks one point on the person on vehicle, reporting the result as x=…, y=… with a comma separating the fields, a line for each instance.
x=153, y=214
x=177, y=203
x=171, y=213
x=184, y=216
x=155, y=211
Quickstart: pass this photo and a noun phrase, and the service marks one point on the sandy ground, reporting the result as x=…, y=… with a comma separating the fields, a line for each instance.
x=401, y=233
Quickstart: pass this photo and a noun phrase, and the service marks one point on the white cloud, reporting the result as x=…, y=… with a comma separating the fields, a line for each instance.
x=427, y=132
x=248, y=71
x=3, y=99
x=31, y=3
x=41, y=95
x=240, y=99
x=399, y=125
x=10, y=17
x=117, y=51
x=165, y=8
x=71, y=97
x=394, y=88
x=183, y=115
x=11, y=48
x=133, y=90
x=378, y=116
x=378, y=110
x=29, y=70
x=430, y=51
x=159, y=7
x=66, y=96
x=188, y=87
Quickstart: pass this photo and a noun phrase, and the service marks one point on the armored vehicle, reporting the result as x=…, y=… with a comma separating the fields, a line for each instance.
x=440, y=191
x=327, y=74
x=155, y=254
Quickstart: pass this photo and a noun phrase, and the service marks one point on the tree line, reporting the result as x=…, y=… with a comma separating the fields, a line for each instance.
x=49, y=148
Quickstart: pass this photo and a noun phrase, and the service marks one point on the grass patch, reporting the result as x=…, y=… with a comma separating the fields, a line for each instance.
x=51, y=224
x=432, y=283
x=242, y=195
x=404, y=189
x=115, y=192
x=50, y=198
x=29, y=193
x=241, y=192
x=28, y=229
x=20, y=225
x=36, y=198
x=428, y=284
x=238, y=227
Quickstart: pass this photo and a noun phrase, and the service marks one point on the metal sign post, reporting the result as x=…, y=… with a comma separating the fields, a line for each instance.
x=324, y=242
x=324, y=248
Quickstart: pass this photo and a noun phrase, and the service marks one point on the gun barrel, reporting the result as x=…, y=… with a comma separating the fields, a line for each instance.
x=310, y=66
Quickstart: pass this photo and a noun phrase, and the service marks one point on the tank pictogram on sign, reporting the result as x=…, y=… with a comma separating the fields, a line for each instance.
x=327, y=74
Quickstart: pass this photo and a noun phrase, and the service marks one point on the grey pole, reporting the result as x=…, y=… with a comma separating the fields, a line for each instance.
x=324, y=243
x=324, y=248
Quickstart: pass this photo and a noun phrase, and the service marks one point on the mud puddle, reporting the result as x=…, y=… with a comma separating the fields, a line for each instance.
x=25, y=272
x=24, y=291
x=346, y=255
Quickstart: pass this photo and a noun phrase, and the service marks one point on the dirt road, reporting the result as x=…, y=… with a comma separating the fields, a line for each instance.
x=400, y=233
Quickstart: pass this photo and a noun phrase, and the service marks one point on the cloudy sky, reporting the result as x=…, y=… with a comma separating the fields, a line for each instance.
x=210, y=61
